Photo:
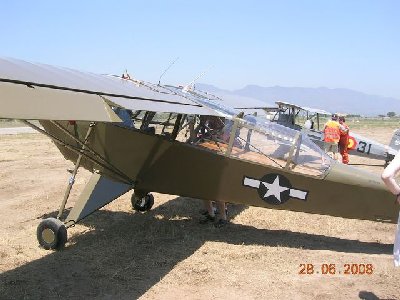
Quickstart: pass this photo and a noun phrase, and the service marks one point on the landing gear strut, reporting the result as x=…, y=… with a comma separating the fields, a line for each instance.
x=142, y=203
x=51, y=232
x=98, y=191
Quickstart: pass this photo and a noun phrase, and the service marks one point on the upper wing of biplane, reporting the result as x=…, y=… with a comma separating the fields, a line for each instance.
x=316, y=111
x=39, y=91
x=246, y=104
x=287, y=104
x=305, y=108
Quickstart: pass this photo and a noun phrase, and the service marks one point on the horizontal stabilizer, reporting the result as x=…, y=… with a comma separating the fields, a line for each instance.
x=395, y=142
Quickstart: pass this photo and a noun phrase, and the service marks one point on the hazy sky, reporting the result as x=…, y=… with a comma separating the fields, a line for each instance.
x=335, y=44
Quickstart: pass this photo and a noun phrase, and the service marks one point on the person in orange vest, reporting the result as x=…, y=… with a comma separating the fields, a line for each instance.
x=332, y=136
x=344, y=140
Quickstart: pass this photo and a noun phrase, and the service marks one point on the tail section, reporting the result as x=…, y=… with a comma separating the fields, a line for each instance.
x=395, y=142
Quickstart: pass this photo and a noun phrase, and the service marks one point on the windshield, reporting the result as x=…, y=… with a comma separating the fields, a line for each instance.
x=256, y=139
x=290, y=149
x=263, y=142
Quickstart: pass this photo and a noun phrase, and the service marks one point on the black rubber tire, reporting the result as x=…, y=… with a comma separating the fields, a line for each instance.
x=142, y=204
x=55, y=227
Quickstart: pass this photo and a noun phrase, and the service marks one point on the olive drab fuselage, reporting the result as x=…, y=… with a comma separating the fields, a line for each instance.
x=155, y=163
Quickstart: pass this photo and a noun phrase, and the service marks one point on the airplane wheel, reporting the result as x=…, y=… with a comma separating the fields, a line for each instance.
x=51, y=234
x=142, y=204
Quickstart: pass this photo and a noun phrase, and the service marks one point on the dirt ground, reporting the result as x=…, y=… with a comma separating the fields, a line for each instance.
x=166, y=254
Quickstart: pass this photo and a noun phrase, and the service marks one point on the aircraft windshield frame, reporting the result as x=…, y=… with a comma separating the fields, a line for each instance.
x=293, y=147
x=305, y=153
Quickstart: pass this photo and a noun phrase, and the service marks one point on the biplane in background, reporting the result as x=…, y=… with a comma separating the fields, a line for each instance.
x=247, y=105
x=294, y=116
x=133, y=135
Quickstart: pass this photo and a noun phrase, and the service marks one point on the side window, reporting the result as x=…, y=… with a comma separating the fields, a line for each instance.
x=282, y=148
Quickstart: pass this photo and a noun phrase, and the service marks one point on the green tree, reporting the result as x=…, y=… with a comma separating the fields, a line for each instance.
x=391, y=114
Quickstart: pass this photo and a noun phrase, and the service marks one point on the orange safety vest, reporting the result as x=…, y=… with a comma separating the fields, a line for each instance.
x=332, y=132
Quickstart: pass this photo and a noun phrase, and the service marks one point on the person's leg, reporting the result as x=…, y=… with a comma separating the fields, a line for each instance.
x=209, y=207
x=210, y=216
x=335, y=150
x=345, y=155
x=326, y=147
x=222, y=215
x=222, y=210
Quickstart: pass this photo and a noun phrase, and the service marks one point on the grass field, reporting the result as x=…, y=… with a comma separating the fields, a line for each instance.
x=359, y=123
x=10, y=123
x=356, y=123
x=117, y=253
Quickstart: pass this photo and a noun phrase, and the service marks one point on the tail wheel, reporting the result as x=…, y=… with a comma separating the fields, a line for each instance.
x=51, y=234
x=142, y=204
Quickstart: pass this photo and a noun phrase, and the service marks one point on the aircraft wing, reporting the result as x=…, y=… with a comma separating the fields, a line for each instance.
x=246, y=104
x=287, y=104
x=309, y=109
x=240, y=103
x=316, y=111
x=37, y=103
x=39, y=91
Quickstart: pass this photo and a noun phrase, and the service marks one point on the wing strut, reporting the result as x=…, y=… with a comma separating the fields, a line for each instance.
x=100, y=190
x=103, y=163
x=72, y=179
x=87, y=147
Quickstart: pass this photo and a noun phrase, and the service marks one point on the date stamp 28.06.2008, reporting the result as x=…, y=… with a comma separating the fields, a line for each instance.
x=336, y=269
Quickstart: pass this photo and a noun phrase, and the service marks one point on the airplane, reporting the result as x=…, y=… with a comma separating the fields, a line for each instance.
x=240, y=103
x=288, y=115
x=134, y=135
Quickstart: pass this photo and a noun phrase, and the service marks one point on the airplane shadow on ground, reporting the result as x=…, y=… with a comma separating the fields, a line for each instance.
x=126, y=254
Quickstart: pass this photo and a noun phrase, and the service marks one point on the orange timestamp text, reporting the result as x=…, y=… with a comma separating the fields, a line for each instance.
x=335, y=269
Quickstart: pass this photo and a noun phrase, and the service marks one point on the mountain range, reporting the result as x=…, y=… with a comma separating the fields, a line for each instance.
x=333, y=100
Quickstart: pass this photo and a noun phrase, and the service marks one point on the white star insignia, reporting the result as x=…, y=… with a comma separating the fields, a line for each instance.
x=274, y=189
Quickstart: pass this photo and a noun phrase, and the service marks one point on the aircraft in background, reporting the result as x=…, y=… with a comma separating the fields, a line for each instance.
x=292, y=115
x=133, y=135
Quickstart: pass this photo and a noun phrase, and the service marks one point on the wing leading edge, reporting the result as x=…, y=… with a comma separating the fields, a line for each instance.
x=39, y=91
x=36, y=103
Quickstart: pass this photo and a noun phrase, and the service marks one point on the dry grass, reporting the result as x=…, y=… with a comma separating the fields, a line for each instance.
x=165, y=254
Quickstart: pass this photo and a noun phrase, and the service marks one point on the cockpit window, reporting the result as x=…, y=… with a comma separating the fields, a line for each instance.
x=260, y=141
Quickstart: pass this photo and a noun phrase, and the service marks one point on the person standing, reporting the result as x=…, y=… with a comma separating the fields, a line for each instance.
x=344, y=140
x=210, y=215
x=388, y=177
x=332, y=136
x=214, y=126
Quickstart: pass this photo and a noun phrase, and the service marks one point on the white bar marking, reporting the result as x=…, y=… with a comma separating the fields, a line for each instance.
x=251, y=182
x=298, y=194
